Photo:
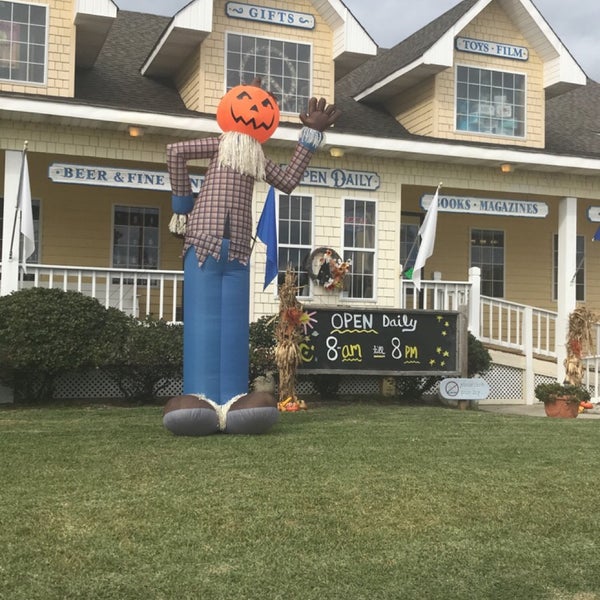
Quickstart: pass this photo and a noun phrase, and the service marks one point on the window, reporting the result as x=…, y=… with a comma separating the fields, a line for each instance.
x=580, y=269
x=283, y=66
x=487, y=253
x=295, y=237
x=359, y=247
x=23, y=42
x=408, y=244
x=491, y=102
x=135, y=238
x=35, y=209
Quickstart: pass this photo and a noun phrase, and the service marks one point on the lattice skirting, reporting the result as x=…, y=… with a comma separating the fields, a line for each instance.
x=97, y=385
x=506, y=383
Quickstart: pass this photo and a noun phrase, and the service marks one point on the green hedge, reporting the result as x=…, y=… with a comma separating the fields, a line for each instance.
x=47, y=333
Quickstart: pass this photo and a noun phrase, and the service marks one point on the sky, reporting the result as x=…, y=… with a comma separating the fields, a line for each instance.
x=574, y=22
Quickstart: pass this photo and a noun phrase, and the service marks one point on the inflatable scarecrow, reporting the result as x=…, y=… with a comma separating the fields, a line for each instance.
x=218, y=235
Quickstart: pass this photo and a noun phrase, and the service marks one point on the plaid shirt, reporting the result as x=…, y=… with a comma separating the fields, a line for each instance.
x=225, y=196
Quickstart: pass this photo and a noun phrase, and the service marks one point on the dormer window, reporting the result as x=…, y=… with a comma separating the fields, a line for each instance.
x=490, y=102
x=284, y=67
x=23, y=29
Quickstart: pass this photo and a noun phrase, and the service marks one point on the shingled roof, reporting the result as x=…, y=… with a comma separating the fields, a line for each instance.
x=573, y=122
x=406, y=52
x=115, y=80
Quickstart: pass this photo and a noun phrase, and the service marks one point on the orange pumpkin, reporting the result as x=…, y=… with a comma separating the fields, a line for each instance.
x=249, y=109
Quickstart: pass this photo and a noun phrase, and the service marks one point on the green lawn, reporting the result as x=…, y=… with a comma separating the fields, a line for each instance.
x=363, y=501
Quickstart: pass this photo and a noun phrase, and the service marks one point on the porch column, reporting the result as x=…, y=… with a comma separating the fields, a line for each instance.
x=567, y=265
x=10, y=267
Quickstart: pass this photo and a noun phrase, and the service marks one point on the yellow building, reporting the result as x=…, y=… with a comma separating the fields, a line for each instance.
x=485, y=99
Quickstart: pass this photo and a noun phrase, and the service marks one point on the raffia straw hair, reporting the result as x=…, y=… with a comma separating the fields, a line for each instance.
x=243, y=154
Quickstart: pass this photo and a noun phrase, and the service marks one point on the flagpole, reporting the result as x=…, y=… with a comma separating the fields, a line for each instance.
x=415, y=242
x=17, y=208
x=427, y=235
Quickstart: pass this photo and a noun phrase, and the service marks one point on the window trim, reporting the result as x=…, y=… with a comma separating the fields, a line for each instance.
x=503, y=231
x=44, y=82
x=311, y=68
x=583, y=262
x=37, y=231
x=310, y=247
x=409, y=219
x=343, y=295
x=112, y=235
x=483, y=133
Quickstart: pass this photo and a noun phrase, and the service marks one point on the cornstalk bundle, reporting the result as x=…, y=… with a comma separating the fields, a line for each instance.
x=579, y=342
x=288, y=336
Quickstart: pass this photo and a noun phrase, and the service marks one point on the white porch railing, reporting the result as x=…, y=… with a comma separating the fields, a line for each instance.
x=445, y=295
x=591, y=366
x=518, y=327
x=159, y=293
x=134, y=291
x=524, y=329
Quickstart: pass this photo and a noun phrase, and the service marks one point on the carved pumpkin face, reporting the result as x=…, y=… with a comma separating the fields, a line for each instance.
x=249, y=109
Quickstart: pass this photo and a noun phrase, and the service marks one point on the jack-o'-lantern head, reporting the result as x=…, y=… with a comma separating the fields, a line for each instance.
x=249, y=109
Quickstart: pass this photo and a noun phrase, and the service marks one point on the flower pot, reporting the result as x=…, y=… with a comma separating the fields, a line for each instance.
x=562, y=407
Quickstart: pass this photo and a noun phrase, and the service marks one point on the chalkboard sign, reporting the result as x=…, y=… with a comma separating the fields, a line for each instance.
x=382, y=342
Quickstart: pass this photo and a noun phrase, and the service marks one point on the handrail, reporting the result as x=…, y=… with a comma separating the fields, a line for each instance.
x=503, y=322
x=139, y=292
x=142, y=292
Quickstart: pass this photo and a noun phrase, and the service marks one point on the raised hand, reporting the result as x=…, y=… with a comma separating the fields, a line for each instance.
x=320, y=115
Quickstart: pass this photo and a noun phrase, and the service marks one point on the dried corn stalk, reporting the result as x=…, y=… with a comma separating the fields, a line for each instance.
x=288, y=335
x=579, y=342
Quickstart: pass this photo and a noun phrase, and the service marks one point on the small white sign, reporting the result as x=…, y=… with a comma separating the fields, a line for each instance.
x=274, y=16
x=464, y=389
x=492, y=48
x=593, y=213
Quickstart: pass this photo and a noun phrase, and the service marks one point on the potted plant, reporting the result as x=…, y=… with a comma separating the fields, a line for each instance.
x=561, y=399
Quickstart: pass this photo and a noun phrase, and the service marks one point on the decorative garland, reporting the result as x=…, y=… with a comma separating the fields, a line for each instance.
x=326, y=268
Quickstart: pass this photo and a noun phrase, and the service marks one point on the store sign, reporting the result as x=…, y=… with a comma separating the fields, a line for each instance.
x=112, y=177
x=488, y=206
x=159, y=180
x=274, y=16
x=492, y=48
x=341, y=179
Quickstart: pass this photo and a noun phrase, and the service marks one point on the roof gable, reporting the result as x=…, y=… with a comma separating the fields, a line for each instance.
x=189, y=27
x=431, y=50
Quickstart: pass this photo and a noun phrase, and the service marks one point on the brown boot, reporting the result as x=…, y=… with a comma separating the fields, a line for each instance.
x=252, y=413
x=190, y=415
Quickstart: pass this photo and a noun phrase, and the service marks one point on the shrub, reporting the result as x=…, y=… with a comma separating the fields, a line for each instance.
x=152, y=356
x=479, y=359
x=45, y=333
x=549, y=392
x=478, y=363
x=327, y=385
x=262, y=347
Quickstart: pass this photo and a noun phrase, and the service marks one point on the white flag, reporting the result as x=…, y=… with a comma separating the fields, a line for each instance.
x=24, y=205
x=427, y=233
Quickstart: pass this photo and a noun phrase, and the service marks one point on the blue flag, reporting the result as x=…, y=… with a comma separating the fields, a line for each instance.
x=596, y=237
x=266, y=231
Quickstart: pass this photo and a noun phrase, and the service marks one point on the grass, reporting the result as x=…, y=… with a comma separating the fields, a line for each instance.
x=361, y=501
